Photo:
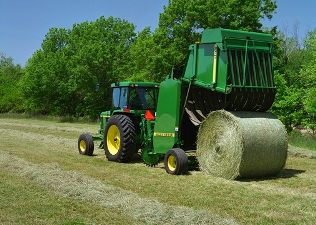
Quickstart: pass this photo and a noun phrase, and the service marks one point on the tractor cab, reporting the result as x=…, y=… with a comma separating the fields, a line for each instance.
x=134, y=96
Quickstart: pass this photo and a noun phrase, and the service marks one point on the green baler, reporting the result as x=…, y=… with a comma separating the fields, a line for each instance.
x=228, y=69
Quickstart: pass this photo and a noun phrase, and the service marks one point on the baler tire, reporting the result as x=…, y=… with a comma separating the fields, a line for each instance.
x=85, y=144
x=120, y=139
x=176, y=162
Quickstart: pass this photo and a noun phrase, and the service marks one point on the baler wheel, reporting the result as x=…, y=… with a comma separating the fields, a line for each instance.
x=119, y=139
x=85, y=144
x=176, y=162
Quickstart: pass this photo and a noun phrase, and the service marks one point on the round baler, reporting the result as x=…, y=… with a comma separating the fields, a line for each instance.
x=216, y=105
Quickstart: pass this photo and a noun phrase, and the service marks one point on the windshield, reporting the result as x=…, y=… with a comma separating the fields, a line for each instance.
x=142, y=98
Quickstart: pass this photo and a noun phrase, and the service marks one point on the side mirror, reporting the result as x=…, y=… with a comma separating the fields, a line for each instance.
x=97, y=87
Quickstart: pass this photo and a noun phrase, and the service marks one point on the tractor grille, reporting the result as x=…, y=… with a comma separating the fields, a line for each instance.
x=249, y=69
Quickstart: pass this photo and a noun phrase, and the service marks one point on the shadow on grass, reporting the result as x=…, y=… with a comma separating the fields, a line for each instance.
x=135, y=159
x=193, y=166
x=288, y=173
x=284, y=174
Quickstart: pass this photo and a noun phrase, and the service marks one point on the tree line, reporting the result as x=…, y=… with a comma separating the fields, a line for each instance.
x=60, y=78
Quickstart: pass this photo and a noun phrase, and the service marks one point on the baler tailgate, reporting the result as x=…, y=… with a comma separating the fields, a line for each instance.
x=249, y=69
x=229, y=70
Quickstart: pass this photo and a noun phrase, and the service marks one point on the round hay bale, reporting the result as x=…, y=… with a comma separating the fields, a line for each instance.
x=241, y=144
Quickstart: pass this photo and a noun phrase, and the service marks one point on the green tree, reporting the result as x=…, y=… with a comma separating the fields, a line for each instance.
x=10, y=95
x=47, y=74
x=101, y=54
x=295, y=80
x=310, y=108
x=61, y=77
x=147, y=58
x=288, y=103
x=307, y=78
x=181, y=24
x=288, y=59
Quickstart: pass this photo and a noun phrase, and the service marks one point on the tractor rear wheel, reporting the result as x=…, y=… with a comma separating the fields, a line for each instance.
x=119, y=139
x=85, y=144
x=176, y=162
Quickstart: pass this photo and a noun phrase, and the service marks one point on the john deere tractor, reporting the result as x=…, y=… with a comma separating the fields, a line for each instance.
x=228, y=69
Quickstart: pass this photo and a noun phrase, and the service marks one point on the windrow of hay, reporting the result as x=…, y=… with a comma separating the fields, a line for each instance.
x=54, y=127
x=300, y=152
x=241, y=144
x=44, y=138
x=75, y=185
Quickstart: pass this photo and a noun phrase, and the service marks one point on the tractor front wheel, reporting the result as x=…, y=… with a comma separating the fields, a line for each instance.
x=85, y=144
x=176, y=162
x=119, y=139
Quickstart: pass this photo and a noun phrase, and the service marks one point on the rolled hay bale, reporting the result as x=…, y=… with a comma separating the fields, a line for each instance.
x=241, y=144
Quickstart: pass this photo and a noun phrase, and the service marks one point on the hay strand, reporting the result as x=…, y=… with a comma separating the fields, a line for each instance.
x=241, y=144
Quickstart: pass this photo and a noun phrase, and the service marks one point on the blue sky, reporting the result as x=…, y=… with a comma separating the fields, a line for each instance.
x=294, y=13
x=24, y=23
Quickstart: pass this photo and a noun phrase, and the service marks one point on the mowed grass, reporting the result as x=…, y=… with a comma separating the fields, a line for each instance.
x=302, y=140
x=24, y=202
x=47, y=188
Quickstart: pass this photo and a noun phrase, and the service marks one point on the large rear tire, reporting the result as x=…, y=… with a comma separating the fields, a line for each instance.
x=85, y=144
x=176, y=162
x=119, y=139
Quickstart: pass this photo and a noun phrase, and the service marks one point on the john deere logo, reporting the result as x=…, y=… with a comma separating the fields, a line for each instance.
x=157, y=134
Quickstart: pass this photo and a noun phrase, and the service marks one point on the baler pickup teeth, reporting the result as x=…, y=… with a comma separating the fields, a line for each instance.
x=199, y=112
x=192, y=117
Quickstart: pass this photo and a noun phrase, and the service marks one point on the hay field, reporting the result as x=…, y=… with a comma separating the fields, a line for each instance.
x=43, y=180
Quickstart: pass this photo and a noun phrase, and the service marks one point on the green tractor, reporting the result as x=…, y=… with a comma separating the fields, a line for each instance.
x=228, y=69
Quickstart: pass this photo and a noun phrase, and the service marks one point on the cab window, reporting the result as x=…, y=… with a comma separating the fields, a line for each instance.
x=116, y=97
x=142, y=98
x=120, y=97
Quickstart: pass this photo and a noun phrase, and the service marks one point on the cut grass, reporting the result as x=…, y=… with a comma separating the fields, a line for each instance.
x=80, y=187
x=302, y=140
x=24, y=202
x=286, y=199
x=70, y=119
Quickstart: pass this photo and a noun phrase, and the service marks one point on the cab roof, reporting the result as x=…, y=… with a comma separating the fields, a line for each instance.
x=137, y=84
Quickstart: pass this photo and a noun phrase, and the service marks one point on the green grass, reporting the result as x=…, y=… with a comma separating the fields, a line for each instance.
x=302, y=140
x=25, y=202
x=43, y=179
x=37, y=116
